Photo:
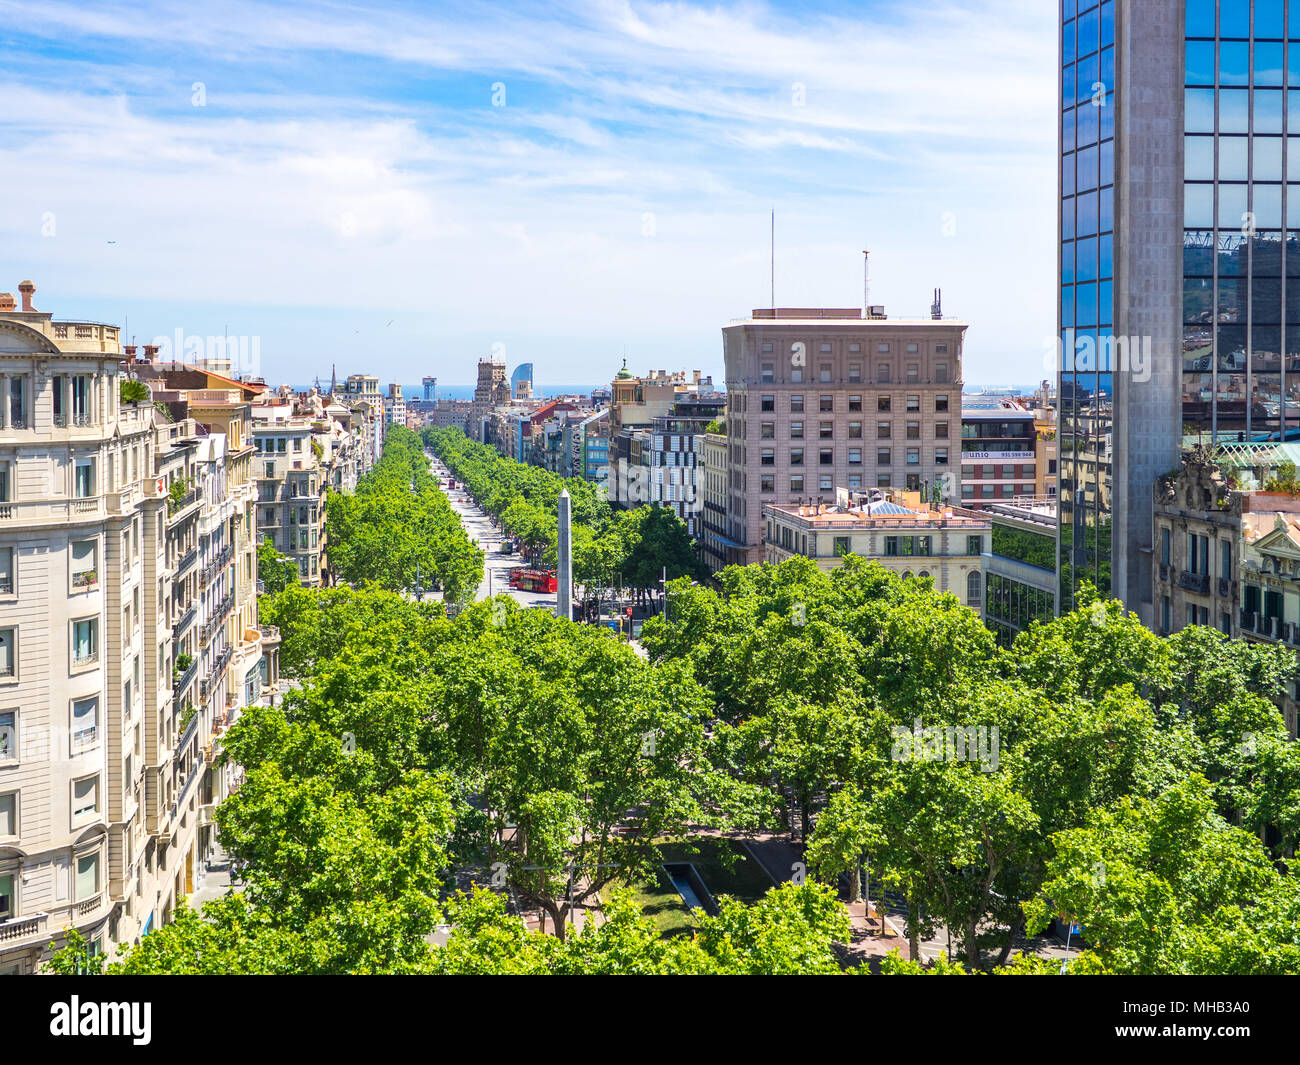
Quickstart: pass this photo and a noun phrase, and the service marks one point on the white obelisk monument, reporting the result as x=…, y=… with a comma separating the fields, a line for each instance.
x=564, y=582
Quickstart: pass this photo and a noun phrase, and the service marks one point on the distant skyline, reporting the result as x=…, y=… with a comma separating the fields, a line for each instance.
x=405, y=189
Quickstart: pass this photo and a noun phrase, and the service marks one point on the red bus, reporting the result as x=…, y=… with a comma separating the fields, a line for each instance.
x=534, y=580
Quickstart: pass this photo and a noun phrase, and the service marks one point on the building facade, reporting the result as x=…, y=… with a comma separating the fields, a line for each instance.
x=1178, y=238
x=825, y=397
x=911, y=538
x=128, y=630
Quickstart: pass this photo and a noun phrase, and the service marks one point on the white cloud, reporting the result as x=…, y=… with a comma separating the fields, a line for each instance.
x=316, y=178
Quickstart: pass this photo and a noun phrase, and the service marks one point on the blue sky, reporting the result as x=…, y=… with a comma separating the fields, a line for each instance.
x=398, y=188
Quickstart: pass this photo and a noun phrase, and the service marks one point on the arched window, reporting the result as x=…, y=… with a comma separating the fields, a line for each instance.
x=973, y=588
x=907, y=574
x=923, y=574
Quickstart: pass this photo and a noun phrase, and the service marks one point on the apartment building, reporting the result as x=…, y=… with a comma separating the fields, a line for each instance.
x=291, y=487
x=121, y=662
x=1227, y=552
x=825, y=397
x=711, y=489
x=896, y=529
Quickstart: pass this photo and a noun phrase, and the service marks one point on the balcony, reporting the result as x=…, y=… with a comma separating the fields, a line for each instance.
x=187, y=560
x=1265, y=626
x=1248, y=619
x=215, y=566
x=17, y=928
x=1195, y=582
x=270, y=634
x=178, y=689
x=178, y=630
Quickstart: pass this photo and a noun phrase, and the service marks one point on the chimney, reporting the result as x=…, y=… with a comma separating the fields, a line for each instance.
x=150, y=350
x=7, y=301
x=129, y=349
x=697, y=376
x=26, y=289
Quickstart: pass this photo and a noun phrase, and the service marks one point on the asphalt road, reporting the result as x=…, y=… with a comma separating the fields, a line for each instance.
x=496, y=566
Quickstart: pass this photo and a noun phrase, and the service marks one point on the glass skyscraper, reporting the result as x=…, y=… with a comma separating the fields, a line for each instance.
x=1179, y=232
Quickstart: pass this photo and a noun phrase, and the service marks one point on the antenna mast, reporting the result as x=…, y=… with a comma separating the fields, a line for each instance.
x=773, y=259
x=866, y=283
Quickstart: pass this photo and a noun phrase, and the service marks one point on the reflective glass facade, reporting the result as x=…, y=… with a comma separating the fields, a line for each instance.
x=1087, y=273
x=1238, y=67
x=1241, y=332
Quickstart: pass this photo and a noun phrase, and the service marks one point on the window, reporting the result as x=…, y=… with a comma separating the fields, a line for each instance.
x=826, y=456
x=973, y=589
x=883, y=456
x=855, y=456
x=768, y=483
x=882, y=349
x=18, y=402
x=796, y=430
x=87, y=876
x=4, y=483
x=941, y=456
x=883, y=403
x=974, y=545
x=297, y=444
x=766, y=431
x=85, y=569
x=824, y=483
x=941, y=430
x=940, y=370
x=891, y=546
x=913, y=373
x=855, y=430
x=7, y=906
x=8, y=652
x=767, y=403
x=841, y=546
x=884, y=430
x=6, y=571
x=914, y=404
x=796, y=456
x=85, y=641
x=883, y=480
x=913, y=430
x=796, y=484
x=827, y=404
x=8, y=814
x=855, y=373
x=84, y=478
x=882, y=373
x=824, y=374
x=768, y=457
x=826, y=431
x=796, y=374
x=8, y=735
x=85, y=798
x=1225, y=560
x=913, y=456
x=855, y=480
x=1164, y=547
x=941, y=404
x=766, y=376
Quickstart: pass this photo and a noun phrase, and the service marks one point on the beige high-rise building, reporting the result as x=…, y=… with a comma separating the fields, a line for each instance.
x=820, y=398
x=127, y=634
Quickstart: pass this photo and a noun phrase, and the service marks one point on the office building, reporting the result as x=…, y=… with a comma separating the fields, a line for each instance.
x=819, y=398
x=1178, y=238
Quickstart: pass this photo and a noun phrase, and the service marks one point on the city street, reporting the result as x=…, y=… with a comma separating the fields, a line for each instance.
x=496, y=566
